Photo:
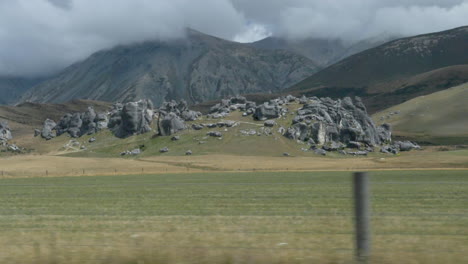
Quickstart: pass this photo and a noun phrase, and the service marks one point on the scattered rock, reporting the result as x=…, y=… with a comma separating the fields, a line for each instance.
x=406, y=145
x=358, y=153
x=320, y=152
x=164, y=150
x=286, y=154
x=249, y=132
x=269, y=123
x=214, y=134
x=188, y=152
x=175, y=138
x=136, y=151
x=37, y=132
x=91, y=140
x=13, y=148
x=197, y=126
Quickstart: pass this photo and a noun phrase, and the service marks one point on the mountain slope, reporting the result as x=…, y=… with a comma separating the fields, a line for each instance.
x=324, y=52
x=379, y=70
x=434, y=117
x=197, y=69
x=11, y=88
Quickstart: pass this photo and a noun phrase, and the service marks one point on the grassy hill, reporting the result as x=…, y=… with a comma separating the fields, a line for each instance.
x=440, y=117
x=389, y=70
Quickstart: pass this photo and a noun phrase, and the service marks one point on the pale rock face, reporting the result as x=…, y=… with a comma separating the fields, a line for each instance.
x=132, y=118
x=5, y=133
x=325, y=120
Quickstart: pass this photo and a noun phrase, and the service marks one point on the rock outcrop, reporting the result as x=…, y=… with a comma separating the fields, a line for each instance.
x=172, y=117
x=48, y=128
x=131, y=118
x=170, y=124
x=269, y=110
x=5, y=133
x=226, y=106
x=78, y=124
x=330, y=123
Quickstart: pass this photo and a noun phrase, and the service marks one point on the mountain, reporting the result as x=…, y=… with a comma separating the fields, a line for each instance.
x=390, y=69
x=438, y=118
x=11, y=88
x=197, y=68
x=323, y=51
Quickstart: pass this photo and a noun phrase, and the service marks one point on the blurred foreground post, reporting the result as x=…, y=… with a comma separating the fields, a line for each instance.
x=362, y=215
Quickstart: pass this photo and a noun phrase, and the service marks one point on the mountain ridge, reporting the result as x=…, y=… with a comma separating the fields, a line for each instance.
x=375, y=72
x=197, y=69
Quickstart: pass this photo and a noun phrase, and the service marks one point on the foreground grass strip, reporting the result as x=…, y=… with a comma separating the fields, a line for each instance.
x=282, y=217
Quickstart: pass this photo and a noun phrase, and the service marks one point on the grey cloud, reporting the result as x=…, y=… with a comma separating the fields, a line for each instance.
x=40, y=37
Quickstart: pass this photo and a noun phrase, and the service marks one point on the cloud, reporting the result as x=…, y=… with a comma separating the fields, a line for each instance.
x=40, y=37
x=252, y=32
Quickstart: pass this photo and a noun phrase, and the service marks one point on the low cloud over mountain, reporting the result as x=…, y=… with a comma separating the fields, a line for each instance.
x=40, y=37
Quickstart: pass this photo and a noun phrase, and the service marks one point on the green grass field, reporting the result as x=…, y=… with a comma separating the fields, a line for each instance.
x=306, y=217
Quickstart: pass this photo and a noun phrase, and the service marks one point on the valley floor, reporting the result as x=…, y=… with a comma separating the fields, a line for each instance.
x=53, y=165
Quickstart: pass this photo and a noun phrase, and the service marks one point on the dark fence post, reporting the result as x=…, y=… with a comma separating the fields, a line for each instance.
x=362, y=215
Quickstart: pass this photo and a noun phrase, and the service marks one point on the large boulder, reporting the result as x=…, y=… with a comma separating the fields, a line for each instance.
x=5, y=133
x=88, y=119
x=170, y=124
x=267, y=111
x=47, y=131
x=406, y=145
x=132, y=119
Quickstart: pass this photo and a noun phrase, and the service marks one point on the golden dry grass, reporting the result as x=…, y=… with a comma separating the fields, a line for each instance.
x=37, y=165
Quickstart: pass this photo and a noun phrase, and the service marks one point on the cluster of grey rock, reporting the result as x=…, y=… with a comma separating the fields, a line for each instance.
x=226, y=123
x=134, y=152
x=338, y=124
x=226, y=106
x=124, y=120
x=398, y=146
x=5, y=133
x=172, y=117
x=324, y=120
x=76, y=125
x=273, y=108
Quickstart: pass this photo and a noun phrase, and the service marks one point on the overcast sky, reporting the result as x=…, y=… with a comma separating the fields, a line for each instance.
x=40, y=37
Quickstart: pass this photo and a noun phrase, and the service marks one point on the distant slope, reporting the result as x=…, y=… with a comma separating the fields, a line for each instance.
x=12, y=88
x=438, y=117
x=323, y=51
x=197, y=69
x=379, y=70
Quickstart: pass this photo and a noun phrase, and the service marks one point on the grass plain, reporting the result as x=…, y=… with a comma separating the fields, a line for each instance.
x=242, y=217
